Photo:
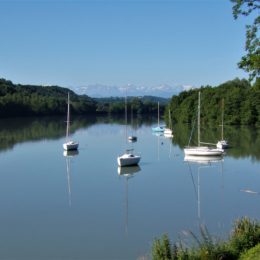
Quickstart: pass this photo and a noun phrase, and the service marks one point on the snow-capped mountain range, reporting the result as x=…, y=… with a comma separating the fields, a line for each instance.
x=98, y=90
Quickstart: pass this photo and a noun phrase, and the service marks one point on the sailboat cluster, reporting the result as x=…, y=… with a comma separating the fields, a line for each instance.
x=129, y=158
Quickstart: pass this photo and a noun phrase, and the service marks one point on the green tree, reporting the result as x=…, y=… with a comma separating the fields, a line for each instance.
x=251, y=61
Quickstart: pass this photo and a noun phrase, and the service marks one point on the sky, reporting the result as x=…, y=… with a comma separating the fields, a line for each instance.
x=74, y=43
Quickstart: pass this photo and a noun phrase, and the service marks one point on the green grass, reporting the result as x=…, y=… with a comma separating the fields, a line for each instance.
x=244, y=236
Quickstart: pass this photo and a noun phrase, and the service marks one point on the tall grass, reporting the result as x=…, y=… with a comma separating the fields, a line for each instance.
x=244, y=235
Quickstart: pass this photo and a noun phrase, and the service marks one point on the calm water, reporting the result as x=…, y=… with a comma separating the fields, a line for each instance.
x=81, y=206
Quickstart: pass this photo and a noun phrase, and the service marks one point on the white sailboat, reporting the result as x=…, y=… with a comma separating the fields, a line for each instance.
x=128, y=158
x=158, y=128
x=202, y=150
x=69, y=144
x=222, y=144
x=168, y=130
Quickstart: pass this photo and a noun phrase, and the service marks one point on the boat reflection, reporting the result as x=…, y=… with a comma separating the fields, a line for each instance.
x=127, y=172
x=202, y=162
x=69, y=155
x=203, y=159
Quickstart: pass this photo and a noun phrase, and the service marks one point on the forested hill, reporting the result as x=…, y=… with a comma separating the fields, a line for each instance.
x=241, y=104
x=28, y=100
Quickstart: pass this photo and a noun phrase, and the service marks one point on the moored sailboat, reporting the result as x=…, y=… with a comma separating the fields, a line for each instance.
x=158, y=128
x=128, y=158
x=202, y=150
x=69, y=144
x=222, y=144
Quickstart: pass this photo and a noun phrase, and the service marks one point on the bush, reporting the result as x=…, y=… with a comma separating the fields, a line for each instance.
x=245, y=235
x=251, y=254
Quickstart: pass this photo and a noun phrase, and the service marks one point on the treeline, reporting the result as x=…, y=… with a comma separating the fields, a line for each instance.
x=135, y=105
x=241, y=104
x=29, y=100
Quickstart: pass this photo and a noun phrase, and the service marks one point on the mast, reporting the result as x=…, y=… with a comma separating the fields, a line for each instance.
x=68, y=118
x=158, y=114
x=170, y=120
x=126, y=114
x=199, y=120
x=222, y=126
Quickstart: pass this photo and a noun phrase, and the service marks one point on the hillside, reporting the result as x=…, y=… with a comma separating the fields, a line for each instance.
x=28, y=100
x=241, y=104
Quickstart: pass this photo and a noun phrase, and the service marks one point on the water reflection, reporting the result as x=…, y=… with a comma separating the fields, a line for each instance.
x=128, y=173
x=202, y=162
x=244, y=141
x=69, y=155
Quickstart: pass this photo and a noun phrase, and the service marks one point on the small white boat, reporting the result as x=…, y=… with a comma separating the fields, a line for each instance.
x=69, y=145
x=128, y=159
x=132, y=138
x=222, y=144
x=168, y=131
x=158, y=128
x=202, y=150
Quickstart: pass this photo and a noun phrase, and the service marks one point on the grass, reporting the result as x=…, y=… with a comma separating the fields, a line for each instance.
x=244, y=236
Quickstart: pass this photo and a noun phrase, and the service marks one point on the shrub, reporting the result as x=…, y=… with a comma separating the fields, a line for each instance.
x=245, y=235
x=251, y=254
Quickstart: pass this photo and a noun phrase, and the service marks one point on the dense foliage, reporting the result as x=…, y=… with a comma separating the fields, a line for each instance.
x=244, y=236
x=251, y=61
x=138, y=105
x=241, y=104
x=28, y=100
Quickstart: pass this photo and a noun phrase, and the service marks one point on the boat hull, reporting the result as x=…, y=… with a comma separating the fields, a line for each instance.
x=70, y=146
x=223, y=144
x=128, y=160
x=158, y=129
x=132, y=138
x=203, y=151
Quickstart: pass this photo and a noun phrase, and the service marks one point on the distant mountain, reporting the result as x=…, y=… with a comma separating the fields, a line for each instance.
x=99, y=91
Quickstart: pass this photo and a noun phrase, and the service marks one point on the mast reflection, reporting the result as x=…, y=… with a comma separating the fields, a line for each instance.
x=69, y=155
x=128, y=173
x=202, y=162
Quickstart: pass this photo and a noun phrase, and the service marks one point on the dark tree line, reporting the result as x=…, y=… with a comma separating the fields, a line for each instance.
x=28, y=100
x=241, y=104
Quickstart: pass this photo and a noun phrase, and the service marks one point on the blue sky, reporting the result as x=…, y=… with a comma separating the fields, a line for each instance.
x=119, y=42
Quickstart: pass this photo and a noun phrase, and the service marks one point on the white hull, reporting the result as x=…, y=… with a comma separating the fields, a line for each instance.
x=69, y=146
x=223, y=144
x=132, y=138
x=203, y=151
x=158, y=129
x=167, y=131
x=128, y=159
